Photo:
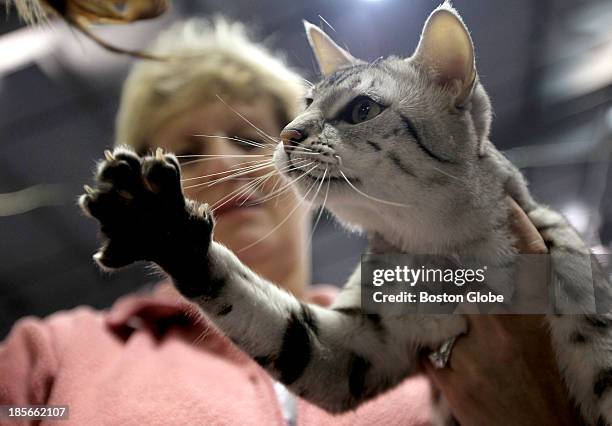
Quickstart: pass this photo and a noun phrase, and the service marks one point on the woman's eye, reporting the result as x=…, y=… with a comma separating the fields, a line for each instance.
x=362, y=109
x=249, y=144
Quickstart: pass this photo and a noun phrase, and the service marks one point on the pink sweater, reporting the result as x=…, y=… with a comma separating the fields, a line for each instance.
x=151, y=360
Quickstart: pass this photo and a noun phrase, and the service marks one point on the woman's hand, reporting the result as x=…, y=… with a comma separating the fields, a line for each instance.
x=503, y=372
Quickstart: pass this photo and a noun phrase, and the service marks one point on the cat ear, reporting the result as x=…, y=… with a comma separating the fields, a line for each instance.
x=329, y=55
x=446, y=49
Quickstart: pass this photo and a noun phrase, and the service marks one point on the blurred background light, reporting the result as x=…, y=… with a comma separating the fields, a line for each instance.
x=23, y=46
x=577, y=214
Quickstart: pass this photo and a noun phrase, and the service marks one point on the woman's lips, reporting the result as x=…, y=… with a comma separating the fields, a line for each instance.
x=238, y=205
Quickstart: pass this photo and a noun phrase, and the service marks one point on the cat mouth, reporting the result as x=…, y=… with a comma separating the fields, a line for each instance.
x=314, y=170
x=320, y=172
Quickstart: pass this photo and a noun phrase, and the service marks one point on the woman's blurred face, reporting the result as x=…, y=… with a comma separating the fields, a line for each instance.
x=261, y=234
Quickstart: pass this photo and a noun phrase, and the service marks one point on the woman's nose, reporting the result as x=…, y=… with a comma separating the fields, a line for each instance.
x=293, y=136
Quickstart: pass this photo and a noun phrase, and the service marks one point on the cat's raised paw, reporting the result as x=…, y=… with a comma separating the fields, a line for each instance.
x=142, y=212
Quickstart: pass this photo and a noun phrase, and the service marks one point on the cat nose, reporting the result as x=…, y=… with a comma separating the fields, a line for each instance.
x=292, y=137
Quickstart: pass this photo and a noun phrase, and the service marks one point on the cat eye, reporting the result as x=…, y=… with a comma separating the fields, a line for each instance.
x=360, y=109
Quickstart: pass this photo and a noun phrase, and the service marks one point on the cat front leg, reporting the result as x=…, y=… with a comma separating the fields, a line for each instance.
x=336, y=358
x=143, y=214
x=582, y=339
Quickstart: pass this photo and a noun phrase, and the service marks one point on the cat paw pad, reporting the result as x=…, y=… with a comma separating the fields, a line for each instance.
x=140, y=206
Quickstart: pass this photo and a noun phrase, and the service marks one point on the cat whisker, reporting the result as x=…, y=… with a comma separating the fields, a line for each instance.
x=288, y=186
x=308, y=82
x=235, y=167
x=263, y=182
x=229, y=177
x=246, y=120
x=278, y=181
x=238, y=139
x=392, y=203
x=448, y=174
x=272, y=193
x=222, y=155
x=238, y=174
x=237, y=192
x=249, y=162
x=257, y=188
x=309, y=153
x=206, y=157
x=298, y=148
x=375, y=61
x=200, y=338
x=291, y=147
x=214, y=157
x=283, y=221
x=257, y=129
x=319, y=187
x=327, y=23
x=259, y=163
x=316, y=223
x=243, y=189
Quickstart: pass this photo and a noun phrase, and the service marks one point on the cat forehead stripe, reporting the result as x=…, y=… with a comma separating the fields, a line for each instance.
x=341, y=75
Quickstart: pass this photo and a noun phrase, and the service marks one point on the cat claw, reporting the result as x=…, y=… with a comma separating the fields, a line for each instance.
x=97, y=257
x=141, y=209
x=125, y=194
x=88, y=189
x=203, y=210
x=159, y=154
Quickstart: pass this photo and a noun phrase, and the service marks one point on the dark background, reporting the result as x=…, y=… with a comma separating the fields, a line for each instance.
x=546, y=64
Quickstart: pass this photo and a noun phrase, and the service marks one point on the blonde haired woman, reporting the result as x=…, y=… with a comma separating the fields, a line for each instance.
x=150, y=358
x=227, y=89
